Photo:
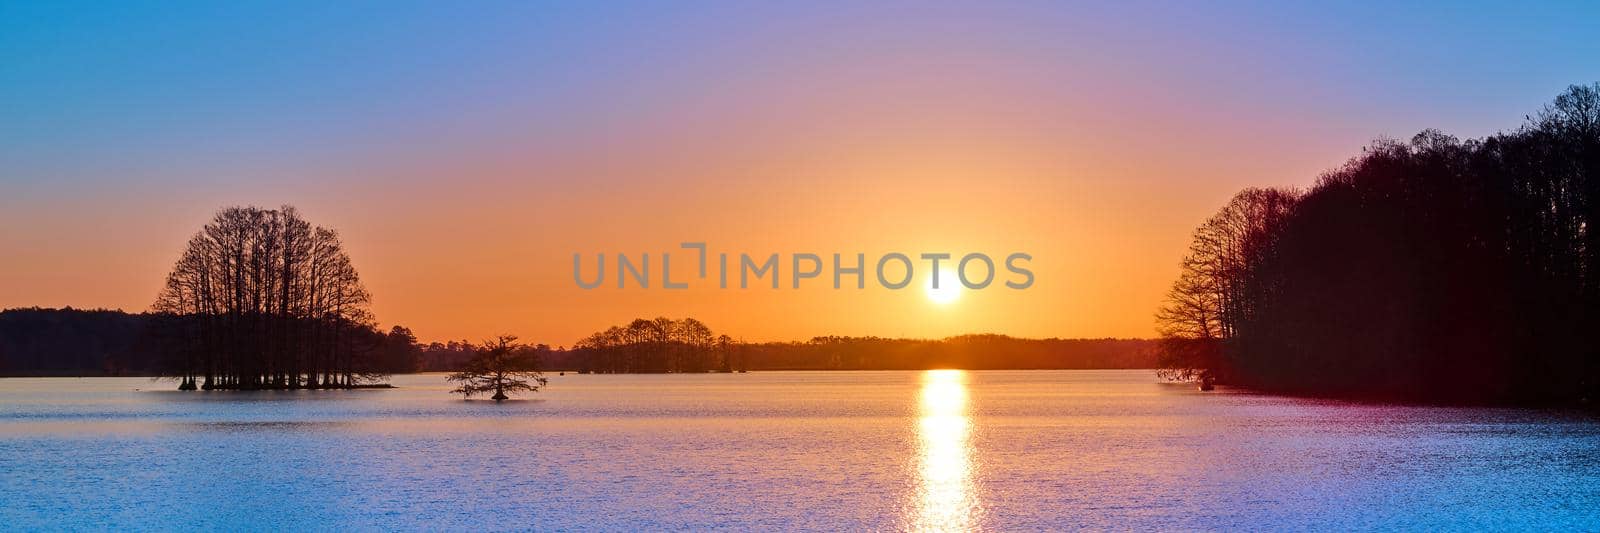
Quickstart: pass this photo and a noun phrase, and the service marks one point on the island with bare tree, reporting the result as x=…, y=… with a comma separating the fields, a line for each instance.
x=502, y=366
x=262, y=299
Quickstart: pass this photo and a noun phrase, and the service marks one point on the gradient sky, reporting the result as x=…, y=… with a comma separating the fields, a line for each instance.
x=466, y=151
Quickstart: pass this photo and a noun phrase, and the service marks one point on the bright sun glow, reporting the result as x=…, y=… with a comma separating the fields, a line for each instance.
x=949, y=287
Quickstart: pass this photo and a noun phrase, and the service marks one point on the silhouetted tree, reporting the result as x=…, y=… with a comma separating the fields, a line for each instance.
x=503, y=366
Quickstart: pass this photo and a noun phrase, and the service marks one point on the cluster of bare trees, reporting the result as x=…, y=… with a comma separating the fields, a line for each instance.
x=660, y=345
x=1213, y=293
x=262, y=299
x=1435, y=269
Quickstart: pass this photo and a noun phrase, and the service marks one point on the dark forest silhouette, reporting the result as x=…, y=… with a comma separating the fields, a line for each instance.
x=1436, y=269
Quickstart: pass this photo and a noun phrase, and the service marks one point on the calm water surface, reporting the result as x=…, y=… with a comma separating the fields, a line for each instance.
x=939, y=450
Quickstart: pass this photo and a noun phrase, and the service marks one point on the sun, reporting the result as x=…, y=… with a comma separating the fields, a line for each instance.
x=949, y=288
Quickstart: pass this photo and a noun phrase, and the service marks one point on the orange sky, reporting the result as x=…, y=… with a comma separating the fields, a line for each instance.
x=469, y=244
x=465, y=158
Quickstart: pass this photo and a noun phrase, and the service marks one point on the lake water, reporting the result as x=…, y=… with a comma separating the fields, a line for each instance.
x=935, y=450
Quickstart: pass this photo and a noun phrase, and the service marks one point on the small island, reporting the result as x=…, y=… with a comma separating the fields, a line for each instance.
x=504, y=366
x=261, y=299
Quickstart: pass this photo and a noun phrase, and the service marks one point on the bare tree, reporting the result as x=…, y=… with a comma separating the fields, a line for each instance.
x=503, y=366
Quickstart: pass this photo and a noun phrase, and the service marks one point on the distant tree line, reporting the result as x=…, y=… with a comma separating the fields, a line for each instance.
x=454, y=356
x=445, y=356
x=76, y=342
x=67, y=342
x=654, y=346
x=972, y=352
x=666, y=345
x=1435, y=269
x=617, y=350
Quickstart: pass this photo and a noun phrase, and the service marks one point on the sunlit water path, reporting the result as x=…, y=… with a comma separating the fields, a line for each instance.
x=938, y=450
x=948, y=500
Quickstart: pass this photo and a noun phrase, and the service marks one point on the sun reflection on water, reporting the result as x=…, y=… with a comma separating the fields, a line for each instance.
x=947, y=499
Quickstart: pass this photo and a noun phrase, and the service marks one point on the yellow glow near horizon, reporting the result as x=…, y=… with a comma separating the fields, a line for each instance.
x=949, y=287
x=947, y=498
